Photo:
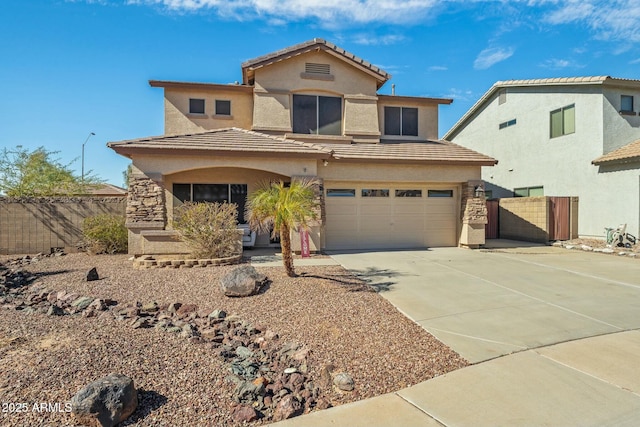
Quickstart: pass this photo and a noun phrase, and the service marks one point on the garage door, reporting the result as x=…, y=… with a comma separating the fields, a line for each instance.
x=375, y=217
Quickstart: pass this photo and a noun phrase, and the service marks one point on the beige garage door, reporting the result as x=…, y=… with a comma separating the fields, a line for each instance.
x=375, y=217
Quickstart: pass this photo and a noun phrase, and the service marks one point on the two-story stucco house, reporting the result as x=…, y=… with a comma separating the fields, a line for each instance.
x=310, y=110
x=562, y=137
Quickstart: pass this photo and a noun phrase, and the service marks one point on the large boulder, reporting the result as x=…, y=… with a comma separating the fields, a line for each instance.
x=105, y=402
x=242, y=281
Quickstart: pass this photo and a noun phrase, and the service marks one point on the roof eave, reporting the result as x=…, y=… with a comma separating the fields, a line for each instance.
x=129, y=151
x=431, y=162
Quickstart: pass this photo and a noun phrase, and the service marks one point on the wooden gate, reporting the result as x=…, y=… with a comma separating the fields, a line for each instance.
x=559, y=218
x=491, y=230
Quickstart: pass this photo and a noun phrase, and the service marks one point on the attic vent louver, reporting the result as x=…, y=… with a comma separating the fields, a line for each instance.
x=314, y=68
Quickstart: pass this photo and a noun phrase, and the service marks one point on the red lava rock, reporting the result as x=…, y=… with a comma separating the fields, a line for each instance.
x=244, y=414
x=287, y=407
x=186, y=309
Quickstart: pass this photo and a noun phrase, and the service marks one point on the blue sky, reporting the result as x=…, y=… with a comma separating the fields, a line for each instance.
x=71, y=67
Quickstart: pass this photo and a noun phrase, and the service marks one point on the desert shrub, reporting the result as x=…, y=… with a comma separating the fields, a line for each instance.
x=208, y=229
x=105, y=234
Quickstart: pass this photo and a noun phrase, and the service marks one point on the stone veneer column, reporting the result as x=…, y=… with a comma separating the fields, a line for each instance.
x=474, y=215
x=146, y=208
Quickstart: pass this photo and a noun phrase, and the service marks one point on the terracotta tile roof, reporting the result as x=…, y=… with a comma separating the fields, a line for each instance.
x=425, y=152
x=252, y=64
x=230, y=140
x=235, y=141
x=557, y=81
x=627, y=153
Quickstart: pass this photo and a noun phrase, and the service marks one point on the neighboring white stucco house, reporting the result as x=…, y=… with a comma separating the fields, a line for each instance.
x=562, y=137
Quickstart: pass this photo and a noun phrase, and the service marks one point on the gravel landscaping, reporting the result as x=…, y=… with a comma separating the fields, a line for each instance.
x=335, y=318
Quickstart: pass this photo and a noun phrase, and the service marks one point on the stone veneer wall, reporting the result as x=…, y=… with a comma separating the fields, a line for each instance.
x=147, y=211
x=473, y=212
x=145, y=203
x=474, y=209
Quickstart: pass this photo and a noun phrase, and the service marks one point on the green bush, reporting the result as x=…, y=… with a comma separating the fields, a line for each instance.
x=105, y=234
x=208, y=229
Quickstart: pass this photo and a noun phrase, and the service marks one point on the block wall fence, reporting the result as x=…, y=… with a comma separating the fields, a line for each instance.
x=42, y=224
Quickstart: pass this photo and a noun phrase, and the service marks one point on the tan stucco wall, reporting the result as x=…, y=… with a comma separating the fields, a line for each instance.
x=396, y=172
x=178, y=121
x=275, y=84
x=166, y=165
x=361, y=117
x=286, y=75
x=427, y=118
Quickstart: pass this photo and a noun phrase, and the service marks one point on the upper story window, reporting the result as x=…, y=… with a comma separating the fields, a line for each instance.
x=401, y=121
x=528, y=191
x=196, y=106
x=626, y=104
x=223, y=107
x=318, y=115
x=506, y=124
x=563, y=121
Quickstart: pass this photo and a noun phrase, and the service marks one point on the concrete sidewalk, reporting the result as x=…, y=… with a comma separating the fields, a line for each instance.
x=552, y=334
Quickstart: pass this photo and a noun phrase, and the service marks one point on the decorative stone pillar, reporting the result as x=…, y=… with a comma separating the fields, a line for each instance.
x=146, y=209
x=474, y=214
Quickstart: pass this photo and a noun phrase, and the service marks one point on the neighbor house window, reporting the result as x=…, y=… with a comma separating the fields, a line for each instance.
x=196, y=106
x=319, y=115
x=401, y=121
x=374, y=193
x=563, y=121
x=529, y=191
x=341, y=192
x=507, y=124
x=223, y=107
x=408, y=193
x=440, y=193
x=626, y=104
x=221, y=193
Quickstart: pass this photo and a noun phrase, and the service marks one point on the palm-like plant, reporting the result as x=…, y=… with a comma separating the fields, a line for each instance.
x=274, y=206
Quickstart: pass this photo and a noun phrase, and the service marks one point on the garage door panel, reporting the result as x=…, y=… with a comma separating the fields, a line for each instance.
x=409, y=209
x=390, y=222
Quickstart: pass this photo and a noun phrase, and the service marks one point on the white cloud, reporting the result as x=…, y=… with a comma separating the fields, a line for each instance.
x=491, y=56
x=608, y=19
x=367, y=39
x=635, y=61
x=328, y=12
x=556, y=64
x=615, y=20
x=438, y=68
x=463, y=95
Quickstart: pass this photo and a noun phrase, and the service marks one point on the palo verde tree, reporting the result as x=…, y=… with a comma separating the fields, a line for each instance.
x=274, y=206
x=25, y=173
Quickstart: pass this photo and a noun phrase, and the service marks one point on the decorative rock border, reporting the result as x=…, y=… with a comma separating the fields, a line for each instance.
x=607, y=250
x=148, y=261
x=272, y=379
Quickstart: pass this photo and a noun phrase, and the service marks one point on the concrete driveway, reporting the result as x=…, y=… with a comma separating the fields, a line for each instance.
x=564, y=319
x=489, y=303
